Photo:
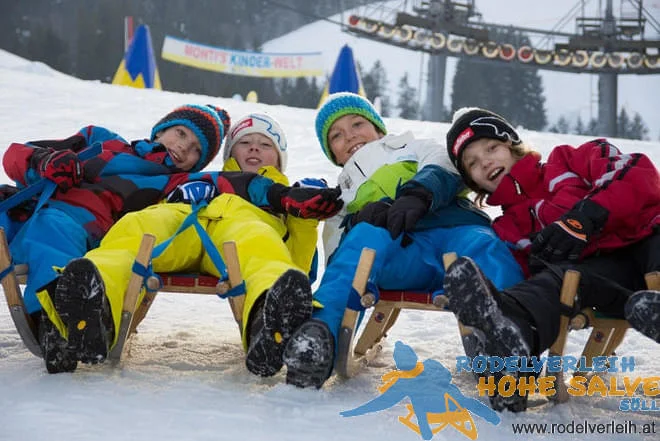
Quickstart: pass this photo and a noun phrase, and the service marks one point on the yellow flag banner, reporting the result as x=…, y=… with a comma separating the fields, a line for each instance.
x=251, y=64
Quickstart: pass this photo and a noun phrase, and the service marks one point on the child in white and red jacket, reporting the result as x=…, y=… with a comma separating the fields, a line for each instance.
x=590, y=208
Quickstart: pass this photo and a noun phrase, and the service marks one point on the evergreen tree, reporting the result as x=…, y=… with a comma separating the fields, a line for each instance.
x=407, y=103
x=623, y=124
x=638, y=128
x=512, y=90
x=375, y=85
x=561, y=126
x=579, y=126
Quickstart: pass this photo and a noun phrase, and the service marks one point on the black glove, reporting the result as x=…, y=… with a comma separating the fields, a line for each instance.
x=374, y=213
x=408, y=208
x=566, y=238
x=20, y=212
x=60, y=166
x=193, y=191
x=305, y=202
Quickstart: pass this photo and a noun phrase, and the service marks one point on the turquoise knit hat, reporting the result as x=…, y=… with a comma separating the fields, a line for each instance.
x=338, y=105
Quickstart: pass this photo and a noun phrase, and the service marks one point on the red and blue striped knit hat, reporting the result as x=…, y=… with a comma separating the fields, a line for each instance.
x=209, y=123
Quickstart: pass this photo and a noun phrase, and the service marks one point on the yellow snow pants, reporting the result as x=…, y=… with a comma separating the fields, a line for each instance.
x=262, y=255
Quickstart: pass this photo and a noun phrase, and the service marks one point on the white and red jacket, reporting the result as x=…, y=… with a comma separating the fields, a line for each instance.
x=533, y=195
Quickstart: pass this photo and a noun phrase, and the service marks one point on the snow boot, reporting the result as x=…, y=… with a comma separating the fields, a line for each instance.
x=287, y=304
x=54, y=348
x=642, y=311
x=309, y=355
x=472, y=298
x=83, y=307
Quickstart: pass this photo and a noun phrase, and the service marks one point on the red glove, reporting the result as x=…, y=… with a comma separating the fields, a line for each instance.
x=62, y=167
x=305, y=202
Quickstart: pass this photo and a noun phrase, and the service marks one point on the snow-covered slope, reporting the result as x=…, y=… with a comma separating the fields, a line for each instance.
x=185, y=378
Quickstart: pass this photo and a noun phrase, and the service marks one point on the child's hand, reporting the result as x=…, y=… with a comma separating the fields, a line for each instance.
x=566, y=238
x=307, y=203
x=374, y=213
x=60, y=166
x=193, y=192
x=408, y=208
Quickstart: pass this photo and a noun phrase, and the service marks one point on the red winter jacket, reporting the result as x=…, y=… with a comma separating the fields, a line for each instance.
x=534, y=195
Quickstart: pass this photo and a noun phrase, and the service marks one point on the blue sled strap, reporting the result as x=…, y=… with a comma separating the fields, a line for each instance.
x=230, y=286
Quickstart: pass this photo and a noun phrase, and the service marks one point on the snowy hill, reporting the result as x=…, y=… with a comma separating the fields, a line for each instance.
x=185, y=377
x=567, y=94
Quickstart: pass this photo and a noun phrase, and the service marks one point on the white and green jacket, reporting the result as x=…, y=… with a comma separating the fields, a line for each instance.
x=381, y=168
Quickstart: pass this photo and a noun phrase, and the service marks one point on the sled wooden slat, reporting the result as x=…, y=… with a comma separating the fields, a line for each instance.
x=348, y=364
x=131, y=297
x=567, y=298
x=10, y=284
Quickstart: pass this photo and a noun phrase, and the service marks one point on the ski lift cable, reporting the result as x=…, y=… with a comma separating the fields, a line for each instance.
x=652, y=21
x=563, y=21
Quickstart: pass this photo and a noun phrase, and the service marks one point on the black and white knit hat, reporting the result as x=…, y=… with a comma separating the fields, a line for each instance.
x=472, y=123
x=209, y=123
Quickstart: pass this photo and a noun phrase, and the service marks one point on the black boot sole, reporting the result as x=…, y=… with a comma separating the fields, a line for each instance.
x=309, y=355
x=54, y=348
x=494, y=334
x=288, y=304
x=81, y=303
x=643, y=313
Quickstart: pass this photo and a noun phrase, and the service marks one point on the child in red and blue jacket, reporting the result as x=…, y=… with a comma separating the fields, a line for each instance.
x=92, y=194
x=592, y=208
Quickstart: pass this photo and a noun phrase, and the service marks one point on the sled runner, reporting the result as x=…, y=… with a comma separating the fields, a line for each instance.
x=355, y=352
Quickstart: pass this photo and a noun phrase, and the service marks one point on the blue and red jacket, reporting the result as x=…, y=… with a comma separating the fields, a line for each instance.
x=124, y=177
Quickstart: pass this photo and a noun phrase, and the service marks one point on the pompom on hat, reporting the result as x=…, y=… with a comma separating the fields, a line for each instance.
x=338, y=105
x=258, y=123
x=472, y=123
x=209, y=123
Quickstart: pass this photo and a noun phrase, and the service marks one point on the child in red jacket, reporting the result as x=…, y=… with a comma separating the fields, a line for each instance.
x=590, y=208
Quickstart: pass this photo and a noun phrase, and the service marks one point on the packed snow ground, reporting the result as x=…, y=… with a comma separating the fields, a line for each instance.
x=185, y=377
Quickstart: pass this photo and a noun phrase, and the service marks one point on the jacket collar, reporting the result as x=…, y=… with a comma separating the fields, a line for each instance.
x=524, y=180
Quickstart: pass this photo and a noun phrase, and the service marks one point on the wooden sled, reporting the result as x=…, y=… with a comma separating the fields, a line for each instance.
x=132, y=313
x=353, y=356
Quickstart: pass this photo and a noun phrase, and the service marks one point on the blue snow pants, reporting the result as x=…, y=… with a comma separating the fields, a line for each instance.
x=415, y=267
x=48, y=240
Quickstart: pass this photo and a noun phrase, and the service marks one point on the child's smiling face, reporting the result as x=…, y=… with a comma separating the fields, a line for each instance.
x=254, y=151
x=182, y=145
x=348, y=134
x=487, y=161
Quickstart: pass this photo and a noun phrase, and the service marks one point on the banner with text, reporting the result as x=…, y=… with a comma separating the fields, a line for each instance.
x=251, y=64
